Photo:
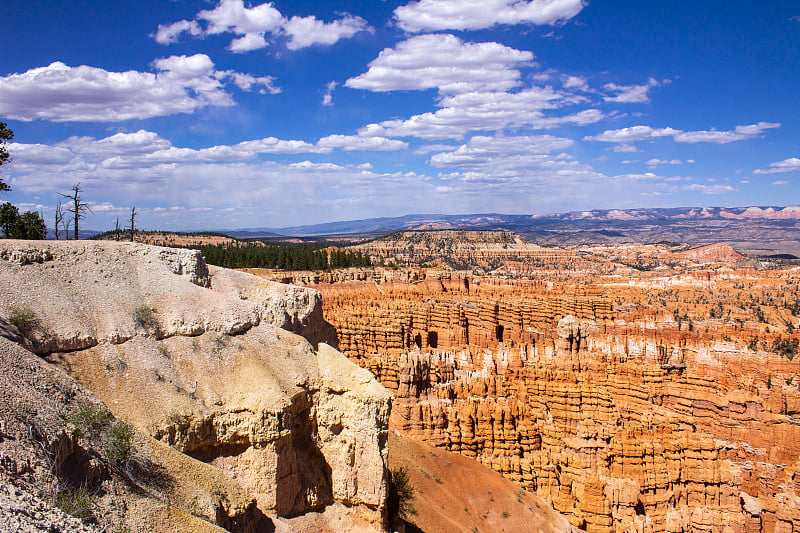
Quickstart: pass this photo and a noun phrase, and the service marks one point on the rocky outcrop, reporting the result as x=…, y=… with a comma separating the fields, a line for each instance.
x=23, y=512
x=196, y=357
x=63, y=284
x=294, y=309
x=54, y=442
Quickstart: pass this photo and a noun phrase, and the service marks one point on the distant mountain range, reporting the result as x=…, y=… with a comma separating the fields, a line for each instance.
x=764, y=230
x=497, y=220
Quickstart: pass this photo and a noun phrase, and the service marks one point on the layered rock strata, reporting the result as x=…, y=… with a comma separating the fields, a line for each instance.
x=642, y=404
x=196, y=357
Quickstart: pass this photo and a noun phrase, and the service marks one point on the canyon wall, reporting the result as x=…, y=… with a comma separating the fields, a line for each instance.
x=627, y=403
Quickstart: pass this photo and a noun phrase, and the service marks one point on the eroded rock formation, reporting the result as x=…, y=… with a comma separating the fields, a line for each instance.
x=454, y=494
x=196, y=357
x=650, y=402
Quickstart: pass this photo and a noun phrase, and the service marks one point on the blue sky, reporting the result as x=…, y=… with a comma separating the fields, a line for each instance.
x=231, y=114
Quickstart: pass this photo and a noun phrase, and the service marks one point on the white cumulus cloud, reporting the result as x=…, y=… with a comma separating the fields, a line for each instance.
x=259, y=25
x=513, y=152
x=630, y=94
x=787, y=165
x=233, y=16
x=443, y=62
x=357, y=142
x=306, y=31
x=740, y=133
x=708, y=189
x=146, y=149
x=435, y=15
x=60, y=93
x=169, y=33
x=652, y=163
x=485, y=111
x=631, y=134
x=327, y=97
x=575, y=82
x=623, y=148
x=642, y=133
x=136, y=143
x=248, y=42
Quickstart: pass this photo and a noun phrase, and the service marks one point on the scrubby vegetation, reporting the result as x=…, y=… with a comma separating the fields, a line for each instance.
x=75, y=501
x=24, y=320
x=89, y=419
x=93, y=422
x=145, y=316
x=119, y=440
x=94, y=429
x=400, y=500
x=786, y=347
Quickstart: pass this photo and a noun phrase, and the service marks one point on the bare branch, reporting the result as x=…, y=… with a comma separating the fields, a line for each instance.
x=133, y=222
x=59, y=218
x=79, y=207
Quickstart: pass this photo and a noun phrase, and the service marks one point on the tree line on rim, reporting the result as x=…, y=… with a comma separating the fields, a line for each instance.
x=280, y=256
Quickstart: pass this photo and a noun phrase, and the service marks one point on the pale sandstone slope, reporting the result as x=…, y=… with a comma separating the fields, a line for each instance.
x=42, y=454
x=210, y=372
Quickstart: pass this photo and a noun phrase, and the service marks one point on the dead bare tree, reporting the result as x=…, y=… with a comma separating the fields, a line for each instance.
x=79, y=207
x=133, y=222
x=59, y=219
x=116, y=230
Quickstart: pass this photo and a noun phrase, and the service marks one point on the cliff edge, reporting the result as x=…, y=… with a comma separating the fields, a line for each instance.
x=219, y=365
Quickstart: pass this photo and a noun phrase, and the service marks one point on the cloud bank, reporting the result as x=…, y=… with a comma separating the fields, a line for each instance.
x=181, y=84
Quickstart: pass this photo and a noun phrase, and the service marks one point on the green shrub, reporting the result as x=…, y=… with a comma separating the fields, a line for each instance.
x=75, y=502
x=786, y=348
x=400, y=500
x=145, y=317
x=24, y=320
x=119, y=441
x=90, y=419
